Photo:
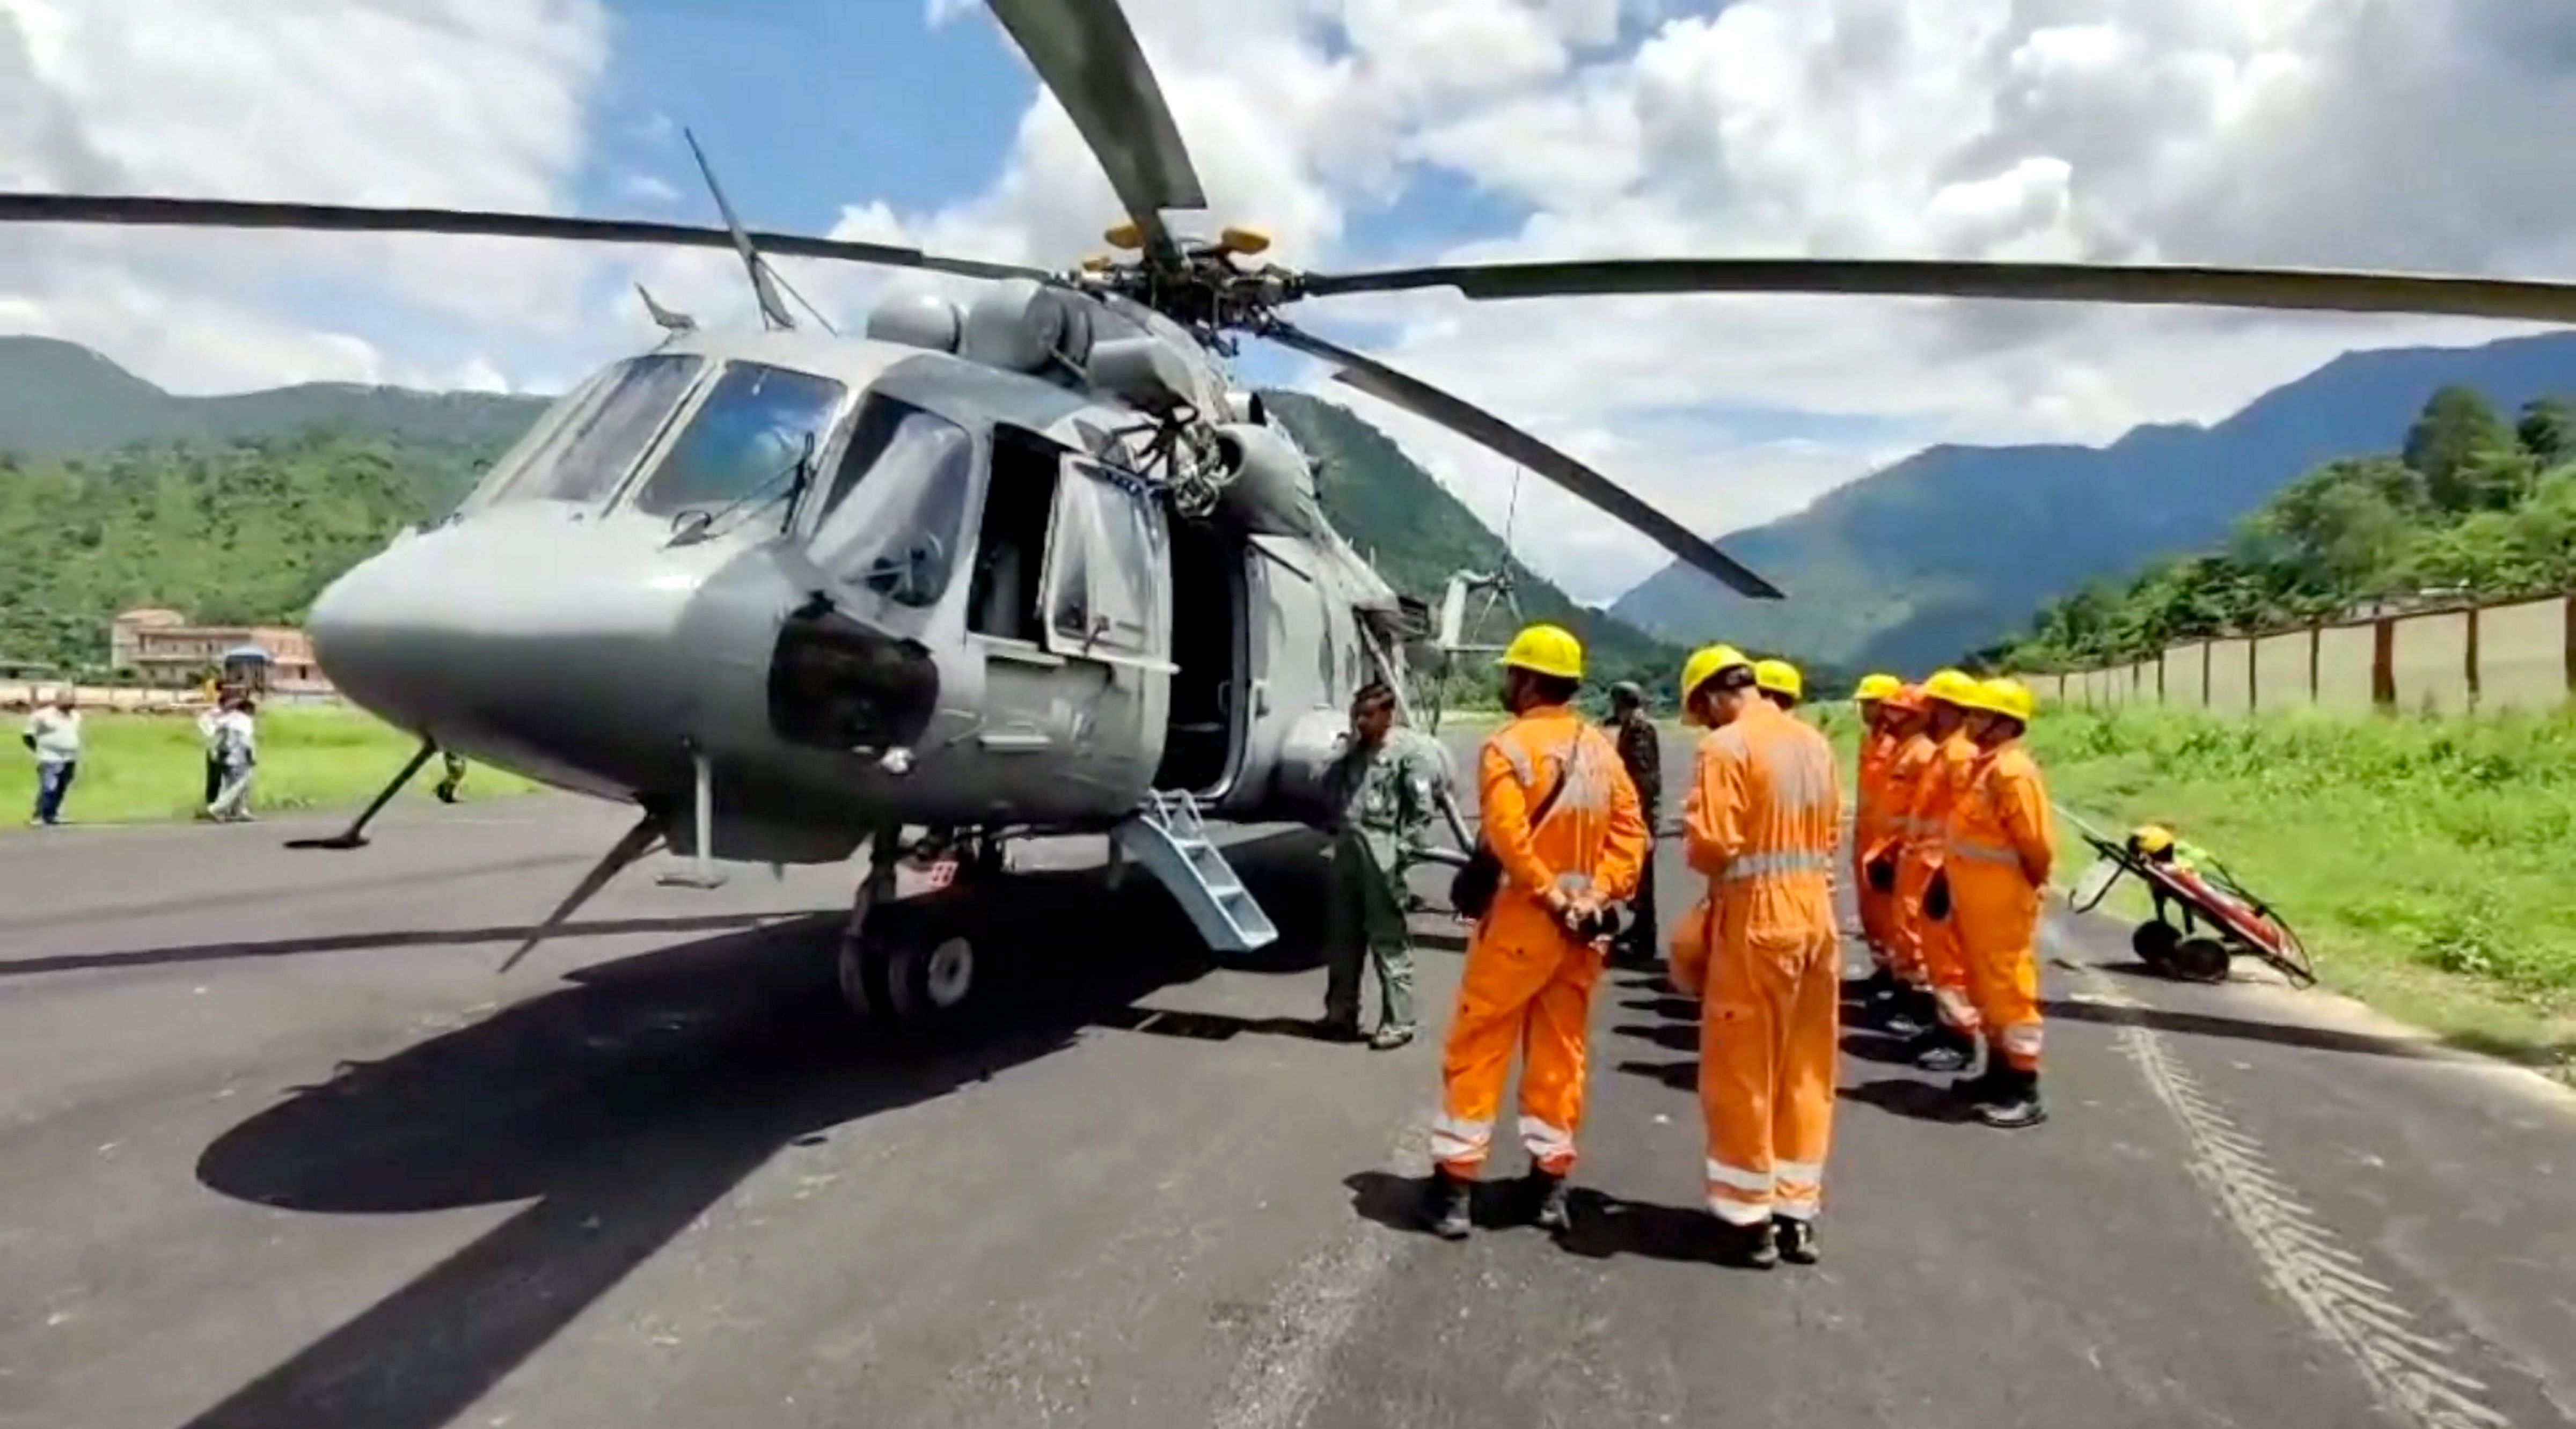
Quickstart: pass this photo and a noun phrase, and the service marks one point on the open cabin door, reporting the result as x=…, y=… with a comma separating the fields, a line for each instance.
x=1107, y=597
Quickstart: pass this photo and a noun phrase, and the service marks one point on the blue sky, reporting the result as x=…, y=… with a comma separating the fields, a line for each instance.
x=1361, y=132
x=803, y=104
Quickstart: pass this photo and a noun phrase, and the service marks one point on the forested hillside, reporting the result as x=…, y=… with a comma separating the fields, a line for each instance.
x=61, y=399
x=249, y=531
x=2472, y=507
x=114, y=493
x=1417, y=534
x=1951, y=547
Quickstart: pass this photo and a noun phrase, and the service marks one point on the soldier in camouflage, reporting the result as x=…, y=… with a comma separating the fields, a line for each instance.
x=1642, y=753
x=1382, y=791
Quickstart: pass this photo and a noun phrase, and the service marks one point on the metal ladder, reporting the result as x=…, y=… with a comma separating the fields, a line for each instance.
x=1167, y=836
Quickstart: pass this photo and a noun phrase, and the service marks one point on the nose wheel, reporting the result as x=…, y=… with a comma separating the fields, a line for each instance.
x=912, y=963
x=907, y=969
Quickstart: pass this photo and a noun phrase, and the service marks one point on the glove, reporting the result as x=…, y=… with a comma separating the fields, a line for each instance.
x=1936, y=896
x=1882, y=874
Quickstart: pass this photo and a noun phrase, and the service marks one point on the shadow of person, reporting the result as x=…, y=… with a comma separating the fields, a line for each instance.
x=1920, y=1101
x=1681, y=1076
x=1399, y=1202
x=1868, y=1044
x=1671, y=1036
x=1676, y=1008
x=625, y=1104
x=1607, y=1226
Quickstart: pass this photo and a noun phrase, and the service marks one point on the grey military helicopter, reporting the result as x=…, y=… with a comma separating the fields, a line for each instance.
x=1027, y=564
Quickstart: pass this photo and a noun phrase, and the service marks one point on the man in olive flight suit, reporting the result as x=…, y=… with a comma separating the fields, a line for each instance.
x=1382, y=792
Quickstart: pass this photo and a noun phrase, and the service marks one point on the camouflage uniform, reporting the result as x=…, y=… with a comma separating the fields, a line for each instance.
x=1383, y=804
x=1642, y=753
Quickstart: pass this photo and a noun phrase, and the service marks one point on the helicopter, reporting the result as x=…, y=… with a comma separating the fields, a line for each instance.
x=1027, y=564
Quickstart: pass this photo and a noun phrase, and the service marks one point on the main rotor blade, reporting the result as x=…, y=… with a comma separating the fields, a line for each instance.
x=1424, y=400
x=2314, y=289
x=1086, y=53
x=144, y=211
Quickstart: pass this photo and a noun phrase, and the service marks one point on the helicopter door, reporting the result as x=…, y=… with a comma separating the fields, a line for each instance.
x=1107, y=603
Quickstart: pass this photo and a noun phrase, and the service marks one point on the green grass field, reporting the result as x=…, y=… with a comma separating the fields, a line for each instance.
x=2425, y=862
x=142, y=768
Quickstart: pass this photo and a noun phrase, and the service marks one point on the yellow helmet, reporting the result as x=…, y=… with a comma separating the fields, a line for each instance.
x=1704, y=663
x=1780, y=678
x=1876, y=687
x=2152, y=839
x=1546, y=650
x=1956, y=687
x=2004, y=696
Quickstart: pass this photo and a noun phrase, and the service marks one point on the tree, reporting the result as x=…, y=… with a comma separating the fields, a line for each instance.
x=2547, y=431
x=2456, y=426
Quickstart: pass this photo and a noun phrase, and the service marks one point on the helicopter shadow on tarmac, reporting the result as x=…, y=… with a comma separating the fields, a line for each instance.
x=629, y=1102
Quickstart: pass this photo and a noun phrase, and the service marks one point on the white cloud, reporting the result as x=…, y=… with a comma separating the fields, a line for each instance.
x=2312, y=132
x=649, y=188
x=475, y=103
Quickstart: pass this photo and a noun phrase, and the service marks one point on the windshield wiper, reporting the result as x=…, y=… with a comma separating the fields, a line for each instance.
x=701, y=523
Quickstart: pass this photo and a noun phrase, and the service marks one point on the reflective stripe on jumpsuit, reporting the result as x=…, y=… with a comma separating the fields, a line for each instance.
x=1527, y=983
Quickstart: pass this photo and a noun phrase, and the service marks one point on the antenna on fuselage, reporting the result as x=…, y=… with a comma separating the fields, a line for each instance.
x=773, y=313
x=664, y=318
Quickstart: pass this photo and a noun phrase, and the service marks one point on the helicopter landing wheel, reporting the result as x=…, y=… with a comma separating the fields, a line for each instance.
x=910, y=965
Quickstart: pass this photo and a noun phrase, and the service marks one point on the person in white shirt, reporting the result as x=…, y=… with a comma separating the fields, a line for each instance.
x=209, y=736
x=54, y=733
x=237, y=747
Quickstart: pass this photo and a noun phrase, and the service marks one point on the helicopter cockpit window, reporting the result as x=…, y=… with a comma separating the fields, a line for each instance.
x=895, y=513
x=585, y=450
x=756, y=431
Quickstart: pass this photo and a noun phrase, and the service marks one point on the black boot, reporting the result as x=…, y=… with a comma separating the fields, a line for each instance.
x=1986, y=1086
x=1909, y=1014
x=1755, y=1247
x=1548, y=1194
x=1946, y=1049
x=1448, y=1205
x=2016, y=1103
x=1796, y=1239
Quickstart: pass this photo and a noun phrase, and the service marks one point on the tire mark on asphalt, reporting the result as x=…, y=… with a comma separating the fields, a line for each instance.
x=1280, y=1376
x=2409, y=1373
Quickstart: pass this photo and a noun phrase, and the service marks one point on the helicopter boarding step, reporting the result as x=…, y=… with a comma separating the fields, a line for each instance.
x=1169, y=839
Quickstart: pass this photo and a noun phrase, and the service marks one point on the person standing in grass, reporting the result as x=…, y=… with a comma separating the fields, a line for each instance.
x=54, y=736
x=210, y=724
x=237, y=747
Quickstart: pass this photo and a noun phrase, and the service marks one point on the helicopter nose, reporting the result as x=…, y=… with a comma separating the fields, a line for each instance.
x=539, y=639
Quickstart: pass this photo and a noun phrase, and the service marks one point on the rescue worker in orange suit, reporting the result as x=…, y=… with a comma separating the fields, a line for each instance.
x=1779, y=682
x=1761, y=822
x=1923, y=894
x=1561, y=817
x=1908, y=716
x=1878, y=746
x=2002, y=841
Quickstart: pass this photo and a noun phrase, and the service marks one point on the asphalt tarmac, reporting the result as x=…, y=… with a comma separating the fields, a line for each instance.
x=280, y=1147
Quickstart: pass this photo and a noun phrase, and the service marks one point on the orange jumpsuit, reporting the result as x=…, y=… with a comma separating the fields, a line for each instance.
x=1527, y=983
x=2002, y=841
x=1903, y=781
x=1869, y=825
x=1935, y=941
x=1762, y=820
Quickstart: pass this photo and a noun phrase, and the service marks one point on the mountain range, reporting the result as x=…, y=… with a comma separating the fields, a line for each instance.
x=240, y=507
x=61, y=399
x=1957, y=546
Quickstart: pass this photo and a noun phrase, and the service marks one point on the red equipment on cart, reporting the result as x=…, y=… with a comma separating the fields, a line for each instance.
x=2219, y=918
